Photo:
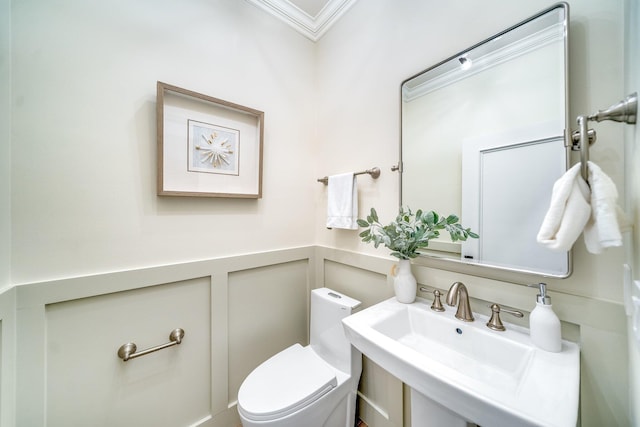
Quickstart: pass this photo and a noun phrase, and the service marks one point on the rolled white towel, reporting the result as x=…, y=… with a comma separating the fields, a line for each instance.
x=603, y=230
x=568, y=213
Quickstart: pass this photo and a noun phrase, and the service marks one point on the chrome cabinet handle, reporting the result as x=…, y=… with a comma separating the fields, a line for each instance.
x=128, y=351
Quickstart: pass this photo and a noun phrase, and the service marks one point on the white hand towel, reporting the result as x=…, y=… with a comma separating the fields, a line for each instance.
x=568, y=212
x=602, y=230
x=342, y=202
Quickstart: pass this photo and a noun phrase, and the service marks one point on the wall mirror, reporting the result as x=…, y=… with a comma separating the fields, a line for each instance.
x=484, y=136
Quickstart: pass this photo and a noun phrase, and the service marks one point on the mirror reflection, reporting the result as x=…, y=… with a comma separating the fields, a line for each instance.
x=484, y=137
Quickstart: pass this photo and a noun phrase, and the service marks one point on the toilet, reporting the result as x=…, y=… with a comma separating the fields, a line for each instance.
x=313, y=386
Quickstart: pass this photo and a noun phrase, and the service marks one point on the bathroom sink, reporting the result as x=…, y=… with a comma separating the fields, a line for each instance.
x=485, y=376
x=477, y=352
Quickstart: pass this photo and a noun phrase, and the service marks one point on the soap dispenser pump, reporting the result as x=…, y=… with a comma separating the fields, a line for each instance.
x=544, y=325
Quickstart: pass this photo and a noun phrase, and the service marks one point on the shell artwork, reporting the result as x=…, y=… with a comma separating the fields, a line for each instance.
x=217, y=152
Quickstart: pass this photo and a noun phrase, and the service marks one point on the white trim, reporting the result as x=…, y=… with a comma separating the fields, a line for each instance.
x=379, y=409
x=311, y=27
x=552, y=34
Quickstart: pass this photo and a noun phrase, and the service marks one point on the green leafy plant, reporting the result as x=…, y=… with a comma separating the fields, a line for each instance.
x=408, y=233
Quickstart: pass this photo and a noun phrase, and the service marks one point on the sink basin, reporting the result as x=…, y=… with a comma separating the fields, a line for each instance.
x=487, y=377
x=478, y=353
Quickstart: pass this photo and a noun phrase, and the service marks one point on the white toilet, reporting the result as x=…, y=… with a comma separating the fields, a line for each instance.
x=312, y=386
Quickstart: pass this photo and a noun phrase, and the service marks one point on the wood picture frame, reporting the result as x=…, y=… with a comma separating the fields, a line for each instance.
x=207, y=147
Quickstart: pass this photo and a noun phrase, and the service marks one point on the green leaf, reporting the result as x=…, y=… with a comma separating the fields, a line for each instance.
x=431, y=218
x=410, y=232
x=374, y=215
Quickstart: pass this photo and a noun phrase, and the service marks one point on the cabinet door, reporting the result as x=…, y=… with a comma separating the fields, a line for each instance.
x=87, y=384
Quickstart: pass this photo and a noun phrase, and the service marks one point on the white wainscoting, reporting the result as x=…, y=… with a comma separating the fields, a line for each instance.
x=59, y=339
x=380, y=395
x=236, y=312
x=7, y=358
x=87, y=384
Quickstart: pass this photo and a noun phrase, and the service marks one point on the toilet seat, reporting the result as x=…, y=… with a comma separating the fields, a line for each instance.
x=287, y=382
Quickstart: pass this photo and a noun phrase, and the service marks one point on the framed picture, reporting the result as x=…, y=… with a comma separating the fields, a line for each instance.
x=207, y=147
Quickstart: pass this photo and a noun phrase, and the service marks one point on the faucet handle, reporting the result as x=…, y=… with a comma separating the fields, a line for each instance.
x=494, y=322
x=437, y=304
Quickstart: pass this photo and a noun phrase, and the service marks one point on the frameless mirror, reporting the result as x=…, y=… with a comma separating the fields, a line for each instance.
x=485, y=136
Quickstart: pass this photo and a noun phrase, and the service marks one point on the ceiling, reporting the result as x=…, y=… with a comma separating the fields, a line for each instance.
x=312, y=18
x=311, y=7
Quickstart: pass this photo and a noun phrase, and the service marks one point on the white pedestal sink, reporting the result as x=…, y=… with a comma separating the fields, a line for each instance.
x=467, y=370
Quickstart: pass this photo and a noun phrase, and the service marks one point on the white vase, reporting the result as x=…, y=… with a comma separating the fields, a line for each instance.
x=404, y=283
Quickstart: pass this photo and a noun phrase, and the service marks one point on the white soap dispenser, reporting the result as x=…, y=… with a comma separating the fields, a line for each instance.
x=544, y=325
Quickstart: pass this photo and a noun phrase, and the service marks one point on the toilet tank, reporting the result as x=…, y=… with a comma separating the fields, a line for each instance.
x=328, y=339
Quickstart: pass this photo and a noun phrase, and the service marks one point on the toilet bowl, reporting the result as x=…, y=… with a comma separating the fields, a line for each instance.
x=312, y=386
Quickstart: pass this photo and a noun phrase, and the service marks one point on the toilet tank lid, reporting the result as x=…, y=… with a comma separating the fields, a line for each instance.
x=336, y=297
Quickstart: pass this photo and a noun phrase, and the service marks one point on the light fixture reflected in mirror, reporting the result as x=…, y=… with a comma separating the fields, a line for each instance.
x=465, y=63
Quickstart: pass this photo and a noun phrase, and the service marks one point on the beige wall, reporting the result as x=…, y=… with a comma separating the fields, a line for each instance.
x=5, y=143
x=363, y=70
x=632, y=134
x=379, y=56
x=632, y=195
x=84, y=132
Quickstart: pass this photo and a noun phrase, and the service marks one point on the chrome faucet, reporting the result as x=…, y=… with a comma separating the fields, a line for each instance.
x=458, y=295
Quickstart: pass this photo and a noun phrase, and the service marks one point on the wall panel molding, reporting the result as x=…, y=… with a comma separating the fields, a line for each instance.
x=34, y=304
x=48, y=292
x=86, y=383
x=232, y=280
x=7, y=358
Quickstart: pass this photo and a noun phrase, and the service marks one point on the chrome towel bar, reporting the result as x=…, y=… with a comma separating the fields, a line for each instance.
x=374, y=172
x=128, y=351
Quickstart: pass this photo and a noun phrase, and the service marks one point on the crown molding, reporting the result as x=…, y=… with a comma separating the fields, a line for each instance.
x=422, y=86
x=312, y=27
